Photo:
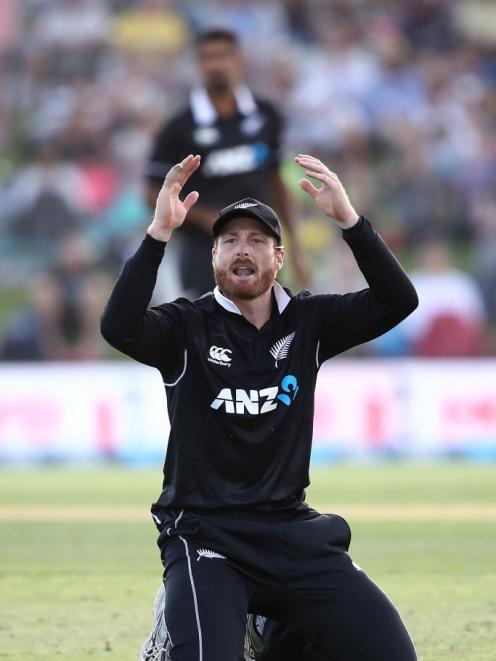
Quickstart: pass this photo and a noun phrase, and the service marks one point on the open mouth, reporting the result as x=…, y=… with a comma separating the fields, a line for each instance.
x=243, y=271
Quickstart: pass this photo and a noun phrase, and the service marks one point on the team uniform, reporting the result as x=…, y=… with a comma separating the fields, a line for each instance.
x=237, y=153
x=235, y=534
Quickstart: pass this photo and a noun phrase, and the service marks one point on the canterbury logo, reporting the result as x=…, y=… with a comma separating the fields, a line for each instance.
x=245, y=205
x=280, y=349
x=220, y=356
x=207, y=553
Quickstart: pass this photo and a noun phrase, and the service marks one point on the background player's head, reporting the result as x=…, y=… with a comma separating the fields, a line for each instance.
x=220, y=61
x=247, y=253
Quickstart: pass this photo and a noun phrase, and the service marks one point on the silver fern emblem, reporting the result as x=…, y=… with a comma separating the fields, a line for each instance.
x=280, y=349
x=207, y=553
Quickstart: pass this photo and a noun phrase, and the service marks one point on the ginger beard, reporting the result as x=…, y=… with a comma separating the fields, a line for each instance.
x=245, y=289
x=245, y=259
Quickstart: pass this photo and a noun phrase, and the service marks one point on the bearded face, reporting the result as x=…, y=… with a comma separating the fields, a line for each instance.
x=245, y=259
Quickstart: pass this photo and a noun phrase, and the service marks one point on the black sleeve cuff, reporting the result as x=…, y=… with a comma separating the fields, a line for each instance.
x=356, y=229
x=149, y=243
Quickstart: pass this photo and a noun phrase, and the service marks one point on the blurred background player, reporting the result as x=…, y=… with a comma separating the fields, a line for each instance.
x=238, y=137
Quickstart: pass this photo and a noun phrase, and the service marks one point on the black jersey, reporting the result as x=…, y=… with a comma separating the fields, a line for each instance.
x=241, y=400
x=237, y=152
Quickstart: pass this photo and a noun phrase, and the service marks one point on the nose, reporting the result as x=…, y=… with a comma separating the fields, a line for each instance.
x=242, y=250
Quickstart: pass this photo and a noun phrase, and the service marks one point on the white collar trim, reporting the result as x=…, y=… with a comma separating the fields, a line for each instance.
x=202, y=108
x=282, y=299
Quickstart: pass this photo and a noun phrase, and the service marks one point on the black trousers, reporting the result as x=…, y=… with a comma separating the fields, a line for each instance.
x=292, y=567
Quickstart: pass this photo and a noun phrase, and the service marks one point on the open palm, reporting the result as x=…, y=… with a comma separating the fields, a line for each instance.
x=170, y=211
x=331, y=197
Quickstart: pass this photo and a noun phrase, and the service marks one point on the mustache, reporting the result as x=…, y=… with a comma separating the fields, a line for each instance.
x=242, y=262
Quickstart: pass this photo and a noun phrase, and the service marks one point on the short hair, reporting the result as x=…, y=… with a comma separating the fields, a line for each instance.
x=217, y=34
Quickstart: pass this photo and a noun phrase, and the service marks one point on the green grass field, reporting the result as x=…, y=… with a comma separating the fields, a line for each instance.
x=79, y=566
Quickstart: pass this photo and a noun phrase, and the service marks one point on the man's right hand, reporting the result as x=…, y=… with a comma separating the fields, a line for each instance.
x=170, y=212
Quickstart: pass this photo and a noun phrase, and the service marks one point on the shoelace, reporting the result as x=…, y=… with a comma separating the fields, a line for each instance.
x=250, y=651
x=249, y=646
x=156, y=653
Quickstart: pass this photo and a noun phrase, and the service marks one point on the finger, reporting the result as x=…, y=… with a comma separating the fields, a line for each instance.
x=308, y=157
x=323, y=177
x=190, y=164
x=190, y=200
x=181, y=172
x=185, y=168
x=307, y=162
x=311, y=166
x=312, y=162
x=173, y=176
x=308, y=187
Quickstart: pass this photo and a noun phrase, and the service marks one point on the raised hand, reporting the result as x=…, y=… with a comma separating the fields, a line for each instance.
x=331, y=197
x=170, y=212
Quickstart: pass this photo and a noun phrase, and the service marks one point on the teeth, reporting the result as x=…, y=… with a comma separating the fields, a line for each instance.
x=243, y=270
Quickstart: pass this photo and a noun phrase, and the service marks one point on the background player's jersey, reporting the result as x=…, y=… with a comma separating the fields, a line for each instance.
x=241, y=400
x=237, y=152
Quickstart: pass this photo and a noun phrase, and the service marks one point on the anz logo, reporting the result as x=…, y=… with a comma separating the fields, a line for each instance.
x=257, y=402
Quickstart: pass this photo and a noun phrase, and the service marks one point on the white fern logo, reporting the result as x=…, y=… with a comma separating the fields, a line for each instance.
x=207, y=553
x=245, y=205
x=281, y=348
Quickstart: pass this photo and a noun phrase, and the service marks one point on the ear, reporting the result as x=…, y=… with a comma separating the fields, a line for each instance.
x=279, y=257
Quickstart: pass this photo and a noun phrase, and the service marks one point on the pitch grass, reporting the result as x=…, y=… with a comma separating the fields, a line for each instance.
x=83, y=590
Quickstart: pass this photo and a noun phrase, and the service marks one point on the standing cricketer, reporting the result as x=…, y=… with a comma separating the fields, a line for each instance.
x=239, y=366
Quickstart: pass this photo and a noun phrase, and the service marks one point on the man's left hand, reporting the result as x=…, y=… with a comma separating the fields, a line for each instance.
x=331, y=198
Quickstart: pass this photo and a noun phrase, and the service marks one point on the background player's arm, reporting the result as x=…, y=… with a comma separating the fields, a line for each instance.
x=285, y=206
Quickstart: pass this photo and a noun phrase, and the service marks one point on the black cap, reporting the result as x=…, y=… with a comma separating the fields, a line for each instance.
x=251, y=208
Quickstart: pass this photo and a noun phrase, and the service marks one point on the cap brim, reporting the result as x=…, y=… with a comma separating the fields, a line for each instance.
x=240, y=213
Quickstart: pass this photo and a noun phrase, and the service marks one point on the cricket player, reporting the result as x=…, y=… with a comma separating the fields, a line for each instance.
x=239, y=367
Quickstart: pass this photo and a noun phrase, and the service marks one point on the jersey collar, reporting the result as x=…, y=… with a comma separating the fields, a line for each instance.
x=282, y=299
x=202, y=108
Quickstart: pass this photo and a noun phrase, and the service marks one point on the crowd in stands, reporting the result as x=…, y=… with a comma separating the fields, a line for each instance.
x=398, y=97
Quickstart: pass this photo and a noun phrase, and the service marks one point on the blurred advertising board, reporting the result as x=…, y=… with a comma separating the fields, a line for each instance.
x=363, y=408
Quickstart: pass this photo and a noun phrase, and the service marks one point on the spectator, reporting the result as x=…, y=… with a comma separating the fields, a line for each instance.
x=72, y=25
x=61, y=320
x=450, y=318
x=31, y=333
x=151, y=26
x=43, y=200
